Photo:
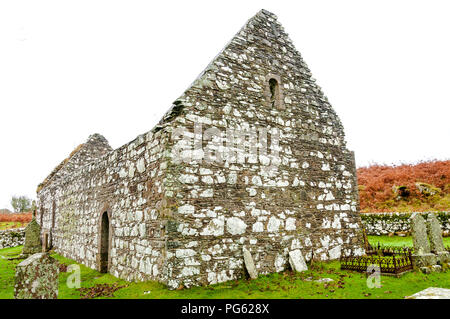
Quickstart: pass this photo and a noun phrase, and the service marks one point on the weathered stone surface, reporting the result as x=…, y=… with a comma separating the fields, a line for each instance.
x=431, y=293
x=32, y=243
x=427, y=189
x=443, y=257
x=297, y=261
x=422, y=256
x=437, y=268
x=426, y=270
x=181, y=215
x=436, y=242
x=249, y=264
x=423, y=260
x=324, y=280
x=419, y=235
x=37, y=278
x=435, y=234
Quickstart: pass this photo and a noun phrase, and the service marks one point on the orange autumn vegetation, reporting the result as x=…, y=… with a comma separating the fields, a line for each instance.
x=16, y=217
x=378, y=185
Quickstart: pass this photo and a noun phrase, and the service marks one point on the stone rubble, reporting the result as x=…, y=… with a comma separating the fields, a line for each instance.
x=249, y=264
x=324, y=280
x=297, y=261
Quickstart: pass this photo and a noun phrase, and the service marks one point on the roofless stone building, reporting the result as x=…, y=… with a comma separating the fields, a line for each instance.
x=251, y=155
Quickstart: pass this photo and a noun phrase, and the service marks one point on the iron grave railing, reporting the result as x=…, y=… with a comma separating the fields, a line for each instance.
x=384, y=250
x=391, y=260
x=395, y=264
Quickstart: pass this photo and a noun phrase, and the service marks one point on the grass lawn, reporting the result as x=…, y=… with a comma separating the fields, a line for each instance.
x=280, y=285
x=397, y=241
x=8, y=225
x=7, y=271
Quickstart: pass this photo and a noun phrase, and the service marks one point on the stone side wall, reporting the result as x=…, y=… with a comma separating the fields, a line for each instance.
x=12, y=237
x=310, y=201
x=387, y=223
x=128, y=184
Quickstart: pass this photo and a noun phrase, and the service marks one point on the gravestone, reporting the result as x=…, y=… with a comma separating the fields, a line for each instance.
x=249, y=264
x=45, y=243
x=419, y=234
x=297, y=261
x=367, y=246
x=436, y=241
x=37, y=278
x=32, y=243
x=422, y=256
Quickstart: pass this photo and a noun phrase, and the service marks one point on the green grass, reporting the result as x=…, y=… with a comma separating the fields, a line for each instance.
x=9, y=225
x=7, y=271
x=397, y=241
x=280, y=285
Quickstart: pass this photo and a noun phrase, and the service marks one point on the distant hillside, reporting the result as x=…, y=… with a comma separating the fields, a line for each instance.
x=5, y=211
x=16, y=217
x=421, y=187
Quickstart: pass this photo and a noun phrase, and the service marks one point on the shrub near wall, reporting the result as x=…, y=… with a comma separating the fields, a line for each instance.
x=12, y=237
x=386, y=223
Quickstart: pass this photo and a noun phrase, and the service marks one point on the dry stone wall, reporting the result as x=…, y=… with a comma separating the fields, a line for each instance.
x=12, y=237
x=184, y=199
x=387, y=223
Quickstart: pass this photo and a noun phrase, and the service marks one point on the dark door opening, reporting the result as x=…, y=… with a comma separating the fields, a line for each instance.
x=104, y=243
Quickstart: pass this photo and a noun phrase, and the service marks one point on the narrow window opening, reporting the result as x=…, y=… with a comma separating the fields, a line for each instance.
x=42, y=216
x=53, y=215
x=274, y=92
x=52, y=230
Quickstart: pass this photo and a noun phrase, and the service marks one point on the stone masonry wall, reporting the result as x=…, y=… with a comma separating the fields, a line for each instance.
x=127, y=183
x=310, y=201
x=12, y=237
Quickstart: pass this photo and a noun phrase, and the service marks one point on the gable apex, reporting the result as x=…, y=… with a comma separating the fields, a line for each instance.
x=248, y=35
x=259, y=51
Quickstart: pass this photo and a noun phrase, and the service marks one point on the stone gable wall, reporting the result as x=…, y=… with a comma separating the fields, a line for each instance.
x=310, y=202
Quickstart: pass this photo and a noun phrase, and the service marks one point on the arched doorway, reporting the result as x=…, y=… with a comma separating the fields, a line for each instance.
x=104, y=243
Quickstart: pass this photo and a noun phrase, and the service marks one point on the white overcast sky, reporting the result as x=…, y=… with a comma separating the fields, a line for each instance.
x=72, y=68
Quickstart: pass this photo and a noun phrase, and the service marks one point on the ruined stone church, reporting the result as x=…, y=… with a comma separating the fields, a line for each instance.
x=141, y=213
